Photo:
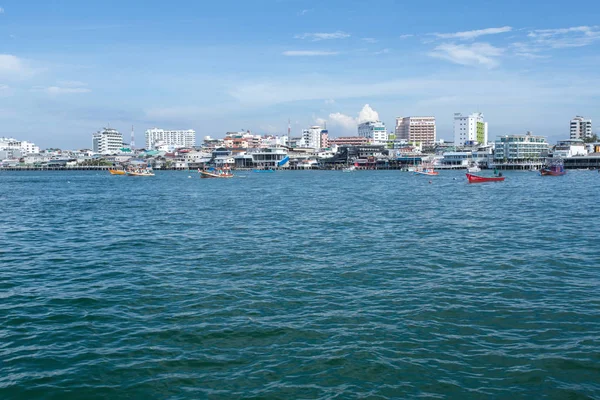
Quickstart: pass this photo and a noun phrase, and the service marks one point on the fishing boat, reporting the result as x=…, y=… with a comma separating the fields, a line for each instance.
x=553, y=168
x=426, y=169
x=478, y=179
x=215, y=173
x=117, y=172
x=140, y=172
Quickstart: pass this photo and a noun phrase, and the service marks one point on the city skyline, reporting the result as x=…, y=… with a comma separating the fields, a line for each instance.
x=67, y=70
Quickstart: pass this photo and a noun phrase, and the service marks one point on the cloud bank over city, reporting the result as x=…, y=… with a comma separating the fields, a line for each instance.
x=67, y=71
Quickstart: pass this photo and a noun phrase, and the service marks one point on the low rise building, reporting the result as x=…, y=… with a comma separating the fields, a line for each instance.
x=569, y=148
x=520, y=148
x=375, y=131
x=349, y=141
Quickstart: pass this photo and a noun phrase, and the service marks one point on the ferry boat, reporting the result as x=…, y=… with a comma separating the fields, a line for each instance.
x=478, y=179
x=553, y=168
x=117, y=172
x=215, y=173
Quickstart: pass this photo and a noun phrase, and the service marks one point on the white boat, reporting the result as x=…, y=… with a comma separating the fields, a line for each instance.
x=351, y=168
x=472, y=168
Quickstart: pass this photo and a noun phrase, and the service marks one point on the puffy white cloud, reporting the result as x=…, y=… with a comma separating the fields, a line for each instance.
x=350, y=123
x=343, y=120
x=470, y=35
x=474, y=54
x=367, y=114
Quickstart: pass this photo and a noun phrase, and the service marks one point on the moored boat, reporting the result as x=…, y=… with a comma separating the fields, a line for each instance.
x=426, y=169
x=553, y=168
x=140, y=172
x=473, y=167
x=215, y=173
x=477, y=179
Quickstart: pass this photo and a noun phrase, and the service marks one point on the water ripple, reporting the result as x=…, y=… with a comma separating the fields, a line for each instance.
x=299, y=285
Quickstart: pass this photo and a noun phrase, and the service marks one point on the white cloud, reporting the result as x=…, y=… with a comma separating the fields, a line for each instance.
x=345, y=121
x=323, y=36
x=1, y=10
x=369, y=40
x=13, y=67
x=577, y=36
x=470, y=35
x=473, y=55
x=320, y=121
x=350, y=123
x=367, y=114
x=406, y=36
x=72, y=84
x=384, y=51
x=309, y=53
x=59, y=90
x=304, y=12
x=329, y=101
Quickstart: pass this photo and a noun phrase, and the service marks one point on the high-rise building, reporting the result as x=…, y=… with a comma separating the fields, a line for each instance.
x=581, y=128
x=311, y=138
x=170, y=138
x=470, y=129
x=416, y=129
x=107, y=141
x=374, y=131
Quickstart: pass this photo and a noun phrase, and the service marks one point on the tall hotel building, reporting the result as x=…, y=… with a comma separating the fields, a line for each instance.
x=470, y=129
x=107, y=141
x=581, y=128
x=173, y=138
x=416, y=129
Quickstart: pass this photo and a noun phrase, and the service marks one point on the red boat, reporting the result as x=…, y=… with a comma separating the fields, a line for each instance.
x=476, y=179
x=554, y=168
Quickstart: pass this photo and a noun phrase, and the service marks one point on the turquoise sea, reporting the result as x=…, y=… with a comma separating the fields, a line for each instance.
x=316, y=284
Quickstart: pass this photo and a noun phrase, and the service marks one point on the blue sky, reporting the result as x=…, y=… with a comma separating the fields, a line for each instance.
x=70, y=67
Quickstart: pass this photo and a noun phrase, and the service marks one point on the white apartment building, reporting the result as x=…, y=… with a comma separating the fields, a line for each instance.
x=107, y=141
x=570, y=148
x=22, y=146
x=170, y=138
x=374, y=131
x=470, y=129
x=581, y=128
x=520, y=148
x=416, y=129
x=311, y=138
